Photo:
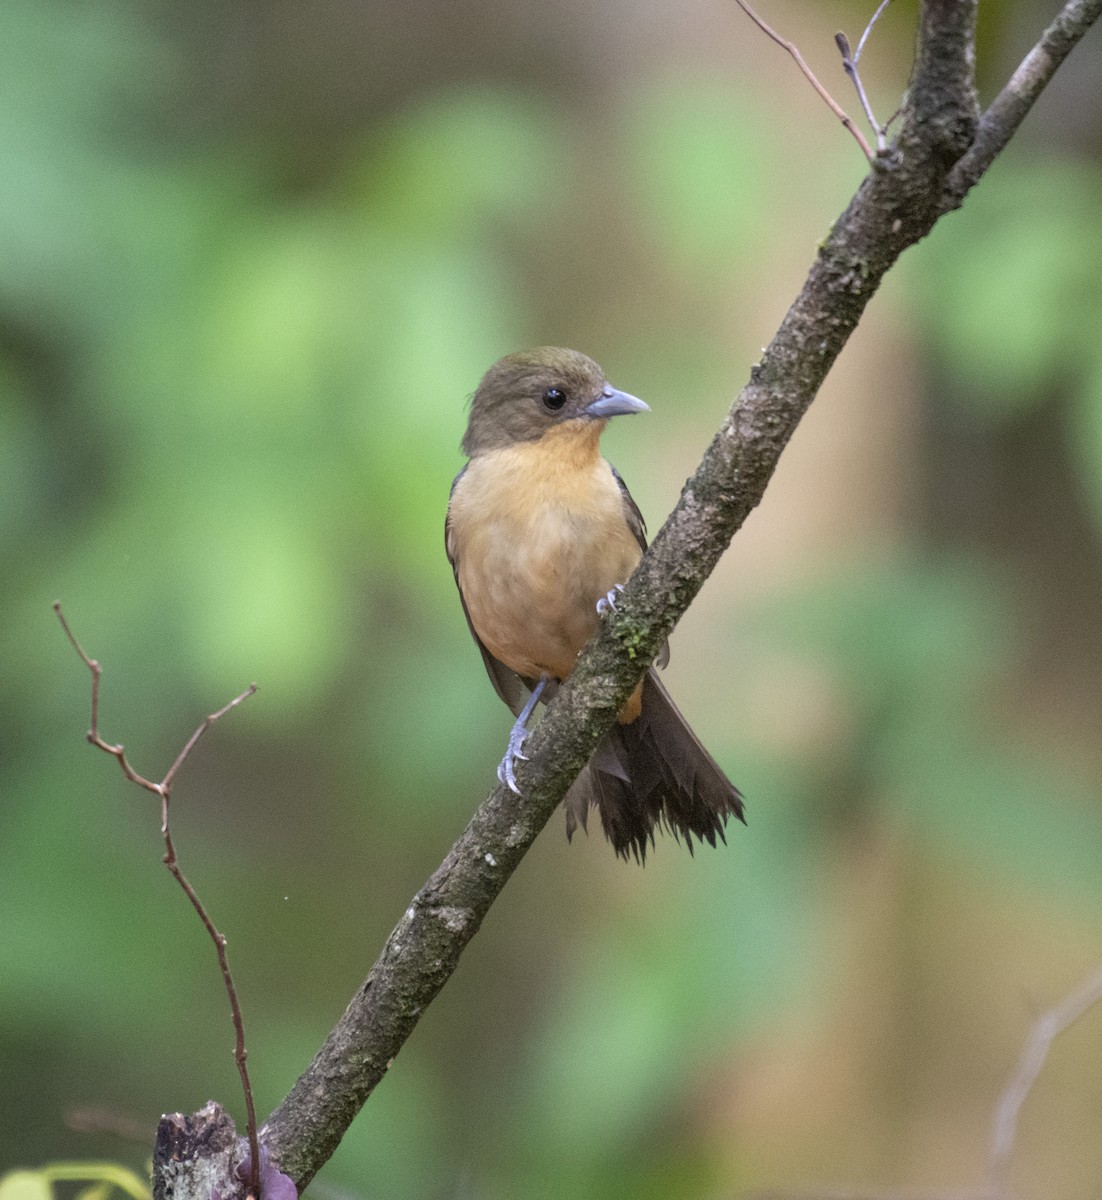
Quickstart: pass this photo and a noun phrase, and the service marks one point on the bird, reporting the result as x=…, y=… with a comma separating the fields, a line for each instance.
x=541, y=533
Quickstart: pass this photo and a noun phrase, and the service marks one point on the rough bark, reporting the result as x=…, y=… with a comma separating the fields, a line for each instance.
x=195, y=1155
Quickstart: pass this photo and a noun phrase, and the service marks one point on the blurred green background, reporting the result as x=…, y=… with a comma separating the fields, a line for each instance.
x=254, y=256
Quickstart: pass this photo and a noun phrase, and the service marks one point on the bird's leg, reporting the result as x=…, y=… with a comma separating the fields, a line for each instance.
x=506, y=771
x=607, y=602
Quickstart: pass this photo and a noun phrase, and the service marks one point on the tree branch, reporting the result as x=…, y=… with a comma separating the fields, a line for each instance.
x=1047, y=1027
x=896, y=205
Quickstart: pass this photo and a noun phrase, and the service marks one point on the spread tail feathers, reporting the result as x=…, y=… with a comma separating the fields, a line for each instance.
x=653, y=771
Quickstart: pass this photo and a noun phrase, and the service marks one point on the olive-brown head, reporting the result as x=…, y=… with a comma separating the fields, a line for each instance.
x=524, y=395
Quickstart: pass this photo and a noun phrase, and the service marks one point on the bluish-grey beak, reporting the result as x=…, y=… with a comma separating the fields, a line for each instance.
x=614, y=403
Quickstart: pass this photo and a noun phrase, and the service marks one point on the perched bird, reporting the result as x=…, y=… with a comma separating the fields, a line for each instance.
x=541, y=532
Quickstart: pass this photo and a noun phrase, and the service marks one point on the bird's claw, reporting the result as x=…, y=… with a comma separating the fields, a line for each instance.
x=506, y=769
x=607, y=602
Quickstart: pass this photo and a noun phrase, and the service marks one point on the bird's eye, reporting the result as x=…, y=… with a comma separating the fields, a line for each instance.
x=554, y=399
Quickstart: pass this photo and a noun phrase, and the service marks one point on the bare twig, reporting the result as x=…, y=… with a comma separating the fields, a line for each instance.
x=849, y=64
x=163, y=791
x=810, y=76
x=868, y=29
x=1046, y=1029
x=1004, y=1123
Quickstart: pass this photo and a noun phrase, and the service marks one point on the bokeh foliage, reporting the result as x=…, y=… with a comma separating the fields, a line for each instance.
x=232, y=380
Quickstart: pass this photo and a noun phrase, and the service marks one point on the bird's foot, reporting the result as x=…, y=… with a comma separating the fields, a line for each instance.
x=506, y=769
x=607, y=602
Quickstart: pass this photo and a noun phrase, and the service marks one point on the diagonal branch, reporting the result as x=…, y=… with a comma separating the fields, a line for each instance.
x=896, y=205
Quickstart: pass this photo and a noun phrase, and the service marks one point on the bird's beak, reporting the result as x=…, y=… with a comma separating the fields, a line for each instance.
x=614, y=403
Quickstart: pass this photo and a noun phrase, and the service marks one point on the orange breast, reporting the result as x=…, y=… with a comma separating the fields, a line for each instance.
x=539, y=535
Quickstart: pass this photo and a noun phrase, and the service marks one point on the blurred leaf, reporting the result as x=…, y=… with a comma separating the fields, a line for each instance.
x=25, y=1185
x=904, y=633
x=385, y=1146
x=96, y=1191
x=921, y=649
x=636, y=1019
x=106, y=1174
x=696, y=152
x=23, y=479
x=992, y=800
x=460, y=158
x=1009, y=299
x=65, y=163
x=1086, y=436
x=37, y=1185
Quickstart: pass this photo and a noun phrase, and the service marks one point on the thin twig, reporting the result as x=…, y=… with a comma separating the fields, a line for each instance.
x=809, y=75
x=163, y=791
x=849, y=65
x=93, y=735
x=868, y=29
x=1047, y=1027
x=166, y=783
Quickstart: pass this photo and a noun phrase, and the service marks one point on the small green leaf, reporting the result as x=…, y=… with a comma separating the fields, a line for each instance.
x=105, y=1175
x=24, y=1185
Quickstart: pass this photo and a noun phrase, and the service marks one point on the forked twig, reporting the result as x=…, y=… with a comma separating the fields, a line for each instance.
x=163, y=791
x=810, y=76
x=849, y=64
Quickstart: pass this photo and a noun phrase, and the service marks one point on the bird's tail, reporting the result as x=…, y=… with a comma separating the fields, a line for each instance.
x=653, y=771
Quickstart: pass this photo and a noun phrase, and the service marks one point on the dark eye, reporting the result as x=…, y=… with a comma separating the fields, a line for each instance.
x=554, y=399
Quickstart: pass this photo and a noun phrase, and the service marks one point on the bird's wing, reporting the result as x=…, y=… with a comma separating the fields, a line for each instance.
x=513, y=689
x=638, y=527
x=632, y=514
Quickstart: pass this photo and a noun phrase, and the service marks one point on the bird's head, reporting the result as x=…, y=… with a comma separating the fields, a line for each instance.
x=524, y=395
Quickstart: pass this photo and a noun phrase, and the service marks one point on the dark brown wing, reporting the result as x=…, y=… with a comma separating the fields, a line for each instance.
x=632, y=514
x=510, y=686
